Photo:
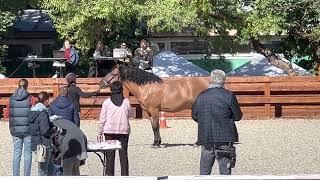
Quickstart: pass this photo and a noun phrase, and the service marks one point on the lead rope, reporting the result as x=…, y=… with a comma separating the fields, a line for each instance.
x=90, y=109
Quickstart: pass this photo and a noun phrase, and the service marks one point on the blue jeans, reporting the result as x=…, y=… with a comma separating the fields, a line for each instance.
x=47, y=168
x=19, y=143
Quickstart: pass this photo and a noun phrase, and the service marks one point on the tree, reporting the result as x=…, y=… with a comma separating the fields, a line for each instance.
x=298, y=20
x=87, y=21
x=254, y=21
x=6, y=18
x=9, y=9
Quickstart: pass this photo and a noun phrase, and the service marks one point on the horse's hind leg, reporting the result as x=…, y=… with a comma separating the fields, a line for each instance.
x=155, y=127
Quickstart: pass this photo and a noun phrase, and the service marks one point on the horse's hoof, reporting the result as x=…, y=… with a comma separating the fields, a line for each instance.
x=163, y=146
x=195, y=145
x=155, y=146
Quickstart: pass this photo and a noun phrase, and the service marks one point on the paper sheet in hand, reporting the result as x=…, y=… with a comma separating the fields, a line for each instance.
x=109, y=144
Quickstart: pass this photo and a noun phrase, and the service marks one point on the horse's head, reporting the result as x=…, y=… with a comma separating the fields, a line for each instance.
x=111, y=77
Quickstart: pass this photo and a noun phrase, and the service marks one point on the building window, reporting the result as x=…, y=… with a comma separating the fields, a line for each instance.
x=192, y=47
x=162, y=47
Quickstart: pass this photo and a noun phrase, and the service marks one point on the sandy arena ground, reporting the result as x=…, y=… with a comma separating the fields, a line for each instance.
x=273, y=147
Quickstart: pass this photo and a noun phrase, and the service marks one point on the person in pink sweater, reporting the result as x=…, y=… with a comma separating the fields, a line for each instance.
x=114, y=125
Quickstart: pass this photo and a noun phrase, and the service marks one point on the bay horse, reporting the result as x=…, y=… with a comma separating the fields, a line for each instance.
x=155, y=94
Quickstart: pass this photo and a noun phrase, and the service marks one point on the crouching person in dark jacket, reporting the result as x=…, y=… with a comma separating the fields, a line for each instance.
x=64, y=107
x=215, y=111
x=41, y=130
x=72, y=144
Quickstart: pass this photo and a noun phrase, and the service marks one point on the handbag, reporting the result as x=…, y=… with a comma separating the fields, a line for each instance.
x=41, y=153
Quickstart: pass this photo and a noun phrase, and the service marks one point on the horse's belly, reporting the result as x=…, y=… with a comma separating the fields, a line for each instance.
x=175, y=106
x=179, y=94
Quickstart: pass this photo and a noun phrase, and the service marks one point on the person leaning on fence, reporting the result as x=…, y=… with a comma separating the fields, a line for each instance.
x=75, y=92
x=41, y=130
x=72, y=144
x=63, y=106
x=19, y=106
x=215, y=111
x=114, y=125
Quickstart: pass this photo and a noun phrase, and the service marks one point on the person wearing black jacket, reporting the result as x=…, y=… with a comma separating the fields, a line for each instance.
x=19, y=106
x=75, y=92
x=41, y=130
x=215, y=111
x=64, y=107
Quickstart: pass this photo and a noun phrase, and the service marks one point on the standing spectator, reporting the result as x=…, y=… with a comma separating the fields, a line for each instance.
x=41, y=130
x=215, y=111
x=19, y=106
x=75, y=92
x=72, y=143
x=71, y=54
x=114, y=125
x=63, y=106
x=143, y=56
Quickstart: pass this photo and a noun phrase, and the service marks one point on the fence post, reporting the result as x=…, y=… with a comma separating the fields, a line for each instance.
x=56, y=88
x=267, y=94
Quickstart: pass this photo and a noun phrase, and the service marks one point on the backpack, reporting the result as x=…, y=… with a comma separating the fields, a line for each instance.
x=74, y=56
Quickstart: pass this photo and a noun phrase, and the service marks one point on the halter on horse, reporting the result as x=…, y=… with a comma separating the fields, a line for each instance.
x=154, y=94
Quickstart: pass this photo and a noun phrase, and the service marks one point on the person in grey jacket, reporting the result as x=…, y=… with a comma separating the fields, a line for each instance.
x=19, y=106
x=72, y=144
x=41, y=130
x=215, y=111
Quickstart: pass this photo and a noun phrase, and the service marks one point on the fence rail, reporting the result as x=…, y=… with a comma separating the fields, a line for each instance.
x=260, y=97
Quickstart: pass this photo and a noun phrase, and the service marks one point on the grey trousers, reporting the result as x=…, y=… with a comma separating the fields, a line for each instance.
x=71, y=167
x=208, y=156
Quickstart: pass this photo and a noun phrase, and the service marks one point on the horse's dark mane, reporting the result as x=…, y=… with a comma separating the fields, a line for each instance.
x=137, y=75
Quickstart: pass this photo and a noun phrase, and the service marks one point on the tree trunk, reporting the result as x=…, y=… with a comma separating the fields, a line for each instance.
x=317, y=56
x=272, y=58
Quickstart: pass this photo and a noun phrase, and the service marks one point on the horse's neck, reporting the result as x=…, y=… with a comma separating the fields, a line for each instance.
x=133, y=88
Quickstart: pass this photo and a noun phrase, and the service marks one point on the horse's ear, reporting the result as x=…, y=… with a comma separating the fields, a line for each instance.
x=117, y=66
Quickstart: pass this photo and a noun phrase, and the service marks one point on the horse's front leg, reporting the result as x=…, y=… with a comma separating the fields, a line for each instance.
x=155, y=127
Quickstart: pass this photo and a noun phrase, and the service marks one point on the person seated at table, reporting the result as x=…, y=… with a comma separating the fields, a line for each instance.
x=143, y=56
x=72, y=144
x=114, y=125
x=63, y=106
x=100, y=51
x=72, y=56
x=128, y=59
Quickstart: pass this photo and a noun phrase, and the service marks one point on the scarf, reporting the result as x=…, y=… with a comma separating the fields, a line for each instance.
x=67, y=53
x=214, y=85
